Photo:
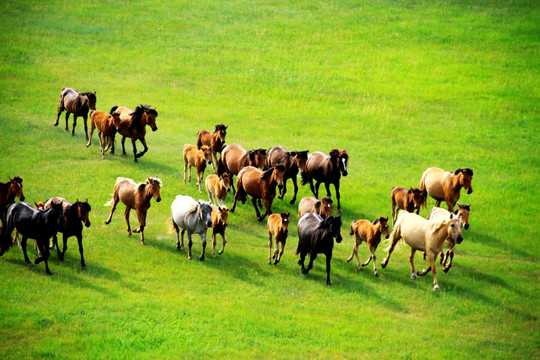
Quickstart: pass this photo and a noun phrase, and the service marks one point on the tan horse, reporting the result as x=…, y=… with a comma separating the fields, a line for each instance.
x=106, y=130
x=219, y=224
x=234, y=158
x=217, y=188
x=215, y=141
x=408, y=200
x=133, y=123
x=278, y=227
x=78, y=104
x=135, y=196
x=196, y=158
x=423, y=235
x=310, y=204
x=259, y=185
x=446, y=185
x=364, y=230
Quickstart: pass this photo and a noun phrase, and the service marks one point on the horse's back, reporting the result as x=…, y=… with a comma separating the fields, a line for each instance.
x=181, y=205
x=438, y=212
x=413, y=229
x=316, y=164
x=232, y=156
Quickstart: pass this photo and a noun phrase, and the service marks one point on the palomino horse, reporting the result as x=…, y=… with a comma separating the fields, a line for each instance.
x=293, y=162
x=327, y=169
x=135, y=196
x=132, y=124
x=408, y=200
x=446, y=185
x=316, y=236
x=33, y=224
x=259, y=185
x=423, y=235
x=462, y=214
x=364, y=230
x=77, y=103
x=234, y=157
x=278, y=227
x=310, y=204
x=215, y=141
x=74, y=216
x=193, y=216
x=8, y=191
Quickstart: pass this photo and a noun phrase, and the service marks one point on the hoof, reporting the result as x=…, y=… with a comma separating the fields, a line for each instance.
x=383, y=264
x=413, y=276
x=29, y=263
x=83, y=267
x=221, y=252
x=276, y=262
x=376, y=273
x=201, y=258
x=446, y=269
x=436, y=288
x=189, y=257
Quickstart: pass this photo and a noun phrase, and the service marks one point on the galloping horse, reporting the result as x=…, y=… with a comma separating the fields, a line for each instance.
x=316, y=236
x=73, y=218
x=327, y=169
x=77, y=103
x=8, y=191
x=214, y=141
x=135, y=196
x=278, y=227
x=364, y=230
x=235, y=157
x=445, y=185
x=33, y=224
x=259, y=185
x=106, y=129
x=423, y=235
x=132, y=124
x=293, y=161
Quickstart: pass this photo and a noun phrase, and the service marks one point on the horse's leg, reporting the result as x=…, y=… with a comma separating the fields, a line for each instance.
x=182, y=235
x=432, y=257
x=64, y=247
x=123, y=145
x=145, y=147
x=270, y=244
x=85, y=120
x=23, y=244
x=254, y=201
x=327, y=186
x=92, y=127
x=312, y=257
x=374, y=258
x=74, y=124
x=200, y=175
x=224, y=242
x=336, y=186
x=59, y=111
x=411, y=260
x=438, y=203
x=301, y=261
x=328, y=261
x=283, y=190
x=44, y=254
x=126, y=215
x=449, y=254
x=280, y=251
x=311, y=187
x=79, y=241
x=214, y=242
x=396, y=235
x=111, y=139
x=134, y=149
x=177, y=229
x=115, y=202
x=141, y=216
x=190, y=243
x=450, y=204
x=317, y=185
x=295, y=189
x=203, y=238
x=67, y=117
x=355, y=252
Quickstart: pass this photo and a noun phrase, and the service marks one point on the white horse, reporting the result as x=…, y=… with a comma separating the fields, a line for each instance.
x=193, y=216
x=424, y=235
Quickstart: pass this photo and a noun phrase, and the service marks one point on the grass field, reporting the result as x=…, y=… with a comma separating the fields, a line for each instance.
x=402, y=85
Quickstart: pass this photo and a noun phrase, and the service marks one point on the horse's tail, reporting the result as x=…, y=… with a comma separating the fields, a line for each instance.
x=304, y=176
x=422, y=187
x=240, y=192
x=5, y=236
x=394, y=238
x=113, y=109
x=352, y=224
x=171, y=226
x=221, y=169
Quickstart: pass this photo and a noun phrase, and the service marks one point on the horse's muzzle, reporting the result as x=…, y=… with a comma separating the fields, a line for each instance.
x=459, y=239
x=345, y=173
x=285, y=231
x=339, y=238
x=22, y=198
x=209, y=223
x=224, y=225
x=154, y=129
x=387, y=237
x=87, y=224
x=469, y=191
x=158, y=199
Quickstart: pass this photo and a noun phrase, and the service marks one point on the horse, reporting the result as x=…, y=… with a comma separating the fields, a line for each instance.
x=78, y=103
x=234, y=157
x=293, y=162
x=278, y=227
x=445, y=185
x=217, y=188
x=135, y=196
x=310, y=204
x=106, y=129
x=462, y=214
x=193, y=216
x=365, y=230
x=408, y=200
x=316, y=236
x=196, y=158
x=214, y=141
x=8, y=191
x=327, y=169
x=219, y=224
x=33, y=224
x=73, y=218
x=132, y=124
x=259, y=185
x=424, y=235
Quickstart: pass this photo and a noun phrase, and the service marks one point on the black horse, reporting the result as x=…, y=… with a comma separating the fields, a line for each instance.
x=316, y=236
x=34, y=224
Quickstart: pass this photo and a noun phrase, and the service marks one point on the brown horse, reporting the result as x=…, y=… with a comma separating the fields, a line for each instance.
x=364, y=230
x=219, y=224
x=215, y=141
x=293, y=162
x=445, y=185
x=8, y=191
x=132, y=124
x=217, y=188
x=235, y=157
x=278, y=226
x=135, y=196
x=77, y=103
x=259, y=185
x=106, y=130
x=310, y=204
x=327, y=169
x=408, y=200
x=196, y=158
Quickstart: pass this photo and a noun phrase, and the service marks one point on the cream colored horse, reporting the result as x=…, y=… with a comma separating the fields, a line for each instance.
x=423, y=235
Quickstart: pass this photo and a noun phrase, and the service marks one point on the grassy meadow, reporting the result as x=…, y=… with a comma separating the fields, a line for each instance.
x=402, y=85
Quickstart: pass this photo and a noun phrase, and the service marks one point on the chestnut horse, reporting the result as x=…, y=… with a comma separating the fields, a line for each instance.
x=293, y=162
x=235, y=157
x=74, y=216
x=8, y=191
x=196, y=158
x=408, y=200
x=106, y=130
x=133, y=123
x=446, y=185
x=364, y=230
x=217, y=188
x=278, y=227
x=259, y=185
x=424, y=235
x=327, y=169
x=215, y=141
x=135, y=196
x=219, y=224
x=77, y=103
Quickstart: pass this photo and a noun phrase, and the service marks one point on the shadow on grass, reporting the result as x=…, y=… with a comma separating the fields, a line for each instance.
x=490, y=241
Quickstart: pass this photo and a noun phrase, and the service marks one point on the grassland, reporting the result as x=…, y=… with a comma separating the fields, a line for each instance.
x=403, y=85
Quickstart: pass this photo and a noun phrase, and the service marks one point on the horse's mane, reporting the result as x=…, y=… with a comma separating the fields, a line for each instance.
x=156, y=179
x=437, y=224
x=220, y=127
x=345, y=155
x=466, y=171
x=136, y=117
x=267, y=173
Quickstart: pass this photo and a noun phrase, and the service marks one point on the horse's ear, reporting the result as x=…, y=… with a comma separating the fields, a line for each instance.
x=409, y=191
x=384, y=219
x=376, y=221
x=86, y=200
x=226, y=126
x=457, y=171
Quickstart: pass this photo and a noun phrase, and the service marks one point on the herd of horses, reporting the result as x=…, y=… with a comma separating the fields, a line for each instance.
x=259, y=173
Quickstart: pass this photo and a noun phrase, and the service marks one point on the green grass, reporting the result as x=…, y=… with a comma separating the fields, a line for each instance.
x=402, y=85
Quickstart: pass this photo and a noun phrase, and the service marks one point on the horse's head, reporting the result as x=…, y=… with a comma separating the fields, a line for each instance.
x=57, y=213
x=285, y=222
x=114, y=119
x=343, y=161
x=225, y=179
x=301, y=159
x=150, y=117
x=222, y=130
x=278, y=175
x=205, y=213
x=260, y=158
x=466, y=178
x=463, y=215
x=222, y=216
x=454, y=229
x=382, y=226
x=83, y=211
x=16, y=188
x=40, y=205
x=91, y=102
x=324, y=206
x=154, y=185
x=207, y=154
x=335, y=227
x=416, y=196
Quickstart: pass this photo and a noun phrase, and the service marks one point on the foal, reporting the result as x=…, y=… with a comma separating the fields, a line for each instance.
x=364, y=230
x=278, y=226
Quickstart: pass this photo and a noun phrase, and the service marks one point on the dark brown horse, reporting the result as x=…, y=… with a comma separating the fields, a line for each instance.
x=235, y=157
x=74, y=216
x=259, y=185
x=8, y=191
x=133, y=123
x=326, y=169
x=78, y=104
x=215, y=141
x=446, y=185
x=293, y=162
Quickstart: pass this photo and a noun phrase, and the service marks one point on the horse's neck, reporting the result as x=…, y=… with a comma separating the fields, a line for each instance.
x=144, y=195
